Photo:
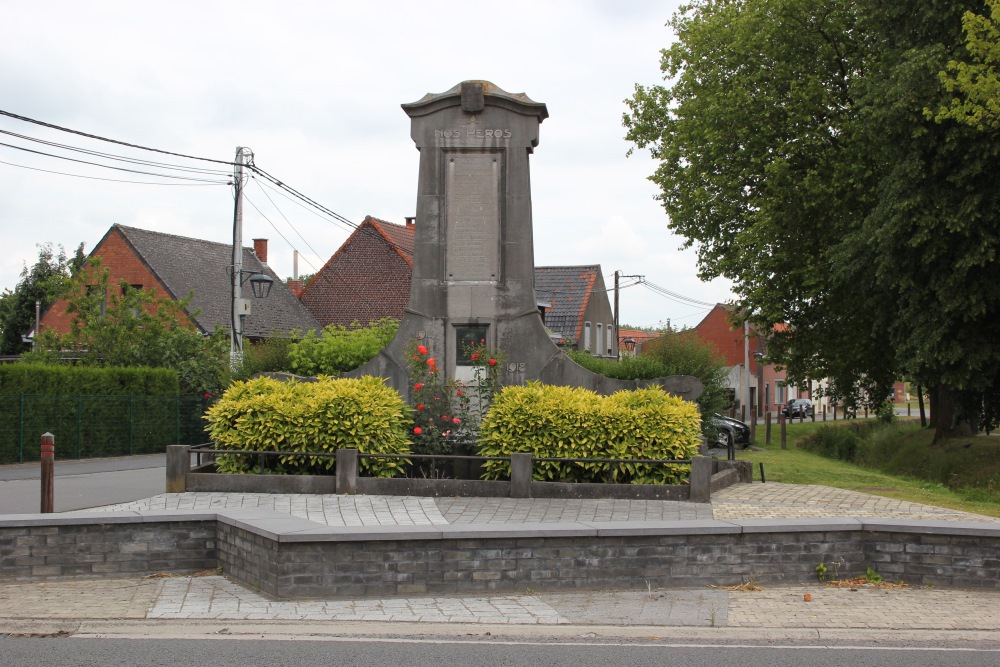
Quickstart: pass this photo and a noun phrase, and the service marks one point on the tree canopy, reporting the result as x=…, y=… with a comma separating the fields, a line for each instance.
x=796, y=153
x=43, y=282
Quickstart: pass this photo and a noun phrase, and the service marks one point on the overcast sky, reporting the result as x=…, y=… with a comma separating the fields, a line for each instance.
x=314, y=89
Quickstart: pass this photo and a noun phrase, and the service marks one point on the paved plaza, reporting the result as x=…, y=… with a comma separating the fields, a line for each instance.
x=69, y=603
x=772, y=500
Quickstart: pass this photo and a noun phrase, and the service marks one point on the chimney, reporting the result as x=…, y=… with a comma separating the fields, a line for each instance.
x=296, y=287
x=410, y=221
x=260, y=249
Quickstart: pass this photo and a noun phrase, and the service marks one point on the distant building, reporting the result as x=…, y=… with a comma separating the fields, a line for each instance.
x=174, y=266
x=369, y=277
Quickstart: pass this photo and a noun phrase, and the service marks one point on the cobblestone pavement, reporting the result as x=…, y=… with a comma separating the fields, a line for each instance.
x=216, y=598
x=775, y=500
x=772, y=500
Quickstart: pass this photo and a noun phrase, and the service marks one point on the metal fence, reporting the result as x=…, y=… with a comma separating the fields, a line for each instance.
x=97, y=426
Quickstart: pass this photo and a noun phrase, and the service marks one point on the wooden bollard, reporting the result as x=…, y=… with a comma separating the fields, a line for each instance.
x=784, y=432
x=767, y=428
x=48, y=473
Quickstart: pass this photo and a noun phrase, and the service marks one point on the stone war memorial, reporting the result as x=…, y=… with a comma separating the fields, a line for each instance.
x=473, y=257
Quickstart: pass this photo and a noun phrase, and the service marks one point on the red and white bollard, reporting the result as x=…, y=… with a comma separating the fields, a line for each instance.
x=48, y=473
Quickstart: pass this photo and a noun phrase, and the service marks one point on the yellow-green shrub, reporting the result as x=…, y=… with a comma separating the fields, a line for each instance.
x=264, y=414
x=565, y=422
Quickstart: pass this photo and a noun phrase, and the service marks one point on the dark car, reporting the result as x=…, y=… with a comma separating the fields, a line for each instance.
x=730, y=432
x=797, y=407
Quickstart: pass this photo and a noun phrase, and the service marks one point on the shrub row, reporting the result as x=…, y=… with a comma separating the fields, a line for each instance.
x=38, y=379
x=264, y=414
x=566, y=422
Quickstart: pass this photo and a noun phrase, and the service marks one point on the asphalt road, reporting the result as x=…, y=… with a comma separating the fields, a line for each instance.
x=82, y=484
x=386, y=652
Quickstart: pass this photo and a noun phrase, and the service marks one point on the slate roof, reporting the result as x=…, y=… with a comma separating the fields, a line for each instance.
x=568, y=289
x=184, y=265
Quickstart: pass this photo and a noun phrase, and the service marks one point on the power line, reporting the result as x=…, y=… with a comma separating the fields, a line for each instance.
x=106, y=166
x=112, y=141
x=112, y=156
x=680, y=298
x=113, y=180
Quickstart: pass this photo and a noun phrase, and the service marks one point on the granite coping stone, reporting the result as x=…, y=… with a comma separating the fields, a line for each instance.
x=933, y=527
x=652, y=528
x=282, y=527
x=814, y=525
x=520, y=530
x=321, y=533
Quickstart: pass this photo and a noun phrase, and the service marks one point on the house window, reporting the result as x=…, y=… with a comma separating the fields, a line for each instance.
x=586, y=336
x=467, y=337
x=98, y=297
x=600, y=337
x=611, y=341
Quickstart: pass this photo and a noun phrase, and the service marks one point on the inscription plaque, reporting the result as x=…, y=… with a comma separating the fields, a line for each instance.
x=472, y=200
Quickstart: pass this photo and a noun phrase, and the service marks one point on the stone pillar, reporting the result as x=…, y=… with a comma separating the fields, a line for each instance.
x=347, y=471
x=701, y=479
x=178, y=465
x=520, y=475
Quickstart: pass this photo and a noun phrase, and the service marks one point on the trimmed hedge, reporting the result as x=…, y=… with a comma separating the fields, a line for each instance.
x=38, y=379
x=265, y=414
x=566, y=422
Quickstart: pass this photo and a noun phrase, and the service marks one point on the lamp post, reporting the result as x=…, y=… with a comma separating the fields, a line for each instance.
x=629, y=344
x=758, y=356
x=260, y=283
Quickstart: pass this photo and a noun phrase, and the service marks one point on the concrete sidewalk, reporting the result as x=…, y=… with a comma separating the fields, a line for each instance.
x=211, y=604
x=148, y=605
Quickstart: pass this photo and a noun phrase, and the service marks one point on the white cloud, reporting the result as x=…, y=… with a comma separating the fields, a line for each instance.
x=314, y=89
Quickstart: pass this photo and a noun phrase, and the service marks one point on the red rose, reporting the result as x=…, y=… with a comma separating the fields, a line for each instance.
x=458, y=392
x=420, y=407
x=421, y=349
x=431, y=361
x=474, y=356
x=444, y=417
x=493, y=362
x=456, y=420
x=418, y=386
x=417, y=430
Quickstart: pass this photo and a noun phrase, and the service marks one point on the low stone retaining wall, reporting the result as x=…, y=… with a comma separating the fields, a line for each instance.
x=707, y=475
x=288, y=557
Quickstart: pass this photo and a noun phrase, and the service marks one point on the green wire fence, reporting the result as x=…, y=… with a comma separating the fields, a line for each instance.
x=97, y=426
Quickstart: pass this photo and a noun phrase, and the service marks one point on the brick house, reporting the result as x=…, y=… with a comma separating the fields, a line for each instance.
x=369, y=278
x=174, y=266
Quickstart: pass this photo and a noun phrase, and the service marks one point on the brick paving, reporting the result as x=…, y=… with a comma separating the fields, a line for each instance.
x=780, y=607
x=772, y=500
x=775, y=500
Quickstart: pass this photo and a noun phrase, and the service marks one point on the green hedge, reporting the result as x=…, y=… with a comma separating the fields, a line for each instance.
x=264, y=414
x=98, y=426
x=565, y=422
x=38, y=379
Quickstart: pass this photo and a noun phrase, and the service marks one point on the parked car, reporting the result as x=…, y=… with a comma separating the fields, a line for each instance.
x=730, y=432
x=798, y=407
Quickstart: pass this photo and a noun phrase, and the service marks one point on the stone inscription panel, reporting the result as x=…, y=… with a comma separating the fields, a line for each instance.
x=472, y=200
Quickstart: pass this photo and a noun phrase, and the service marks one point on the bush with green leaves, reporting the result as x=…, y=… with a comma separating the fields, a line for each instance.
x=674, y=353
x=339, y=348
x=566, y=422
x=265, y=414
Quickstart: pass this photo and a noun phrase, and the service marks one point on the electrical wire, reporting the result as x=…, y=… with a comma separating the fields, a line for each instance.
x=674, y=296
x=113, y=180
x=105, y=166
x=112, y=156
x=112, y=141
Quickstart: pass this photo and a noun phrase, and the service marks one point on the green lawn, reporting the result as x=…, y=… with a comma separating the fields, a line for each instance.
x=796, y=466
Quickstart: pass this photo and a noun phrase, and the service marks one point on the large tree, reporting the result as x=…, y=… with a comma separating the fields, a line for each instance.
x=43, y=282
x=796, y=153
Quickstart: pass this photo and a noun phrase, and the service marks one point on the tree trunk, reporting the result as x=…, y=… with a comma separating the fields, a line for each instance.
x=920, y=401
x=944, y=415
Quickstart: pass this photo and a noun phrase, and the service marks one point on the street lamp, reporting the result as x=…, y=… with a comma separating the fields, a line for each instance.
x=629, y=344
